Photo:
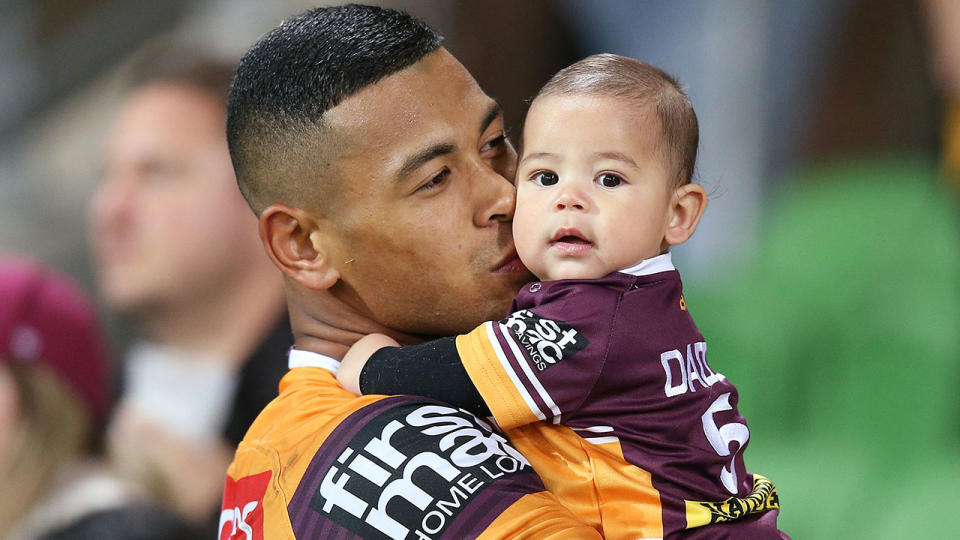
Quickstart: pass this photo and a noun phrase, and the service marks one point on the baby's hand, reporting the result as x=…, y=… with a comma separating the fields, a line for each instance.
x=352, y=364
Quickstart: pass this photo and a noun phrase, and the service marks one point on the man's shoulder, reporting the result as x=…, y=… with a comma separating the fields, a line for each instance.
x=277, y=451
x=310, y=400
x=363, y=466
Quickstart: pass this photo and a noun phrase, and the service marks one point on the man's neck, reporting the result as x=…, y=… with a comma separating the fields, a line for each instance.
x=324, y=323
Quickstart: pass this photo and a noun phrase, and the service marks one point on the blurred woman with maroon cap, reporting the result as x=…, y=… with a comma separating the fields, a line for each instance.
x=52, y=392
x=53, y=401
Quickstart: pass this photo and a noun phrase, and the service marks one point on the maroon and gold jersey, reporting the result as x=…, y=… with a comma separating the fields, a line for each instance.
x=604, y=386
x=320, y=462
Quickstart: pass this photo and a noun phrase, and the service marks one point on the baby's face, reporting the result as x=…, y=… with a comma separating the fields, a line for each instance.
x=593, y=194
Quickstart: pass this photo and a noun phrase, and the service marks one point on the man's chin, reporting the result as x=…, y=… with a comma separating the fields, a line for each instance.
x=511, y=282
x=125, y=298
x=501, y=297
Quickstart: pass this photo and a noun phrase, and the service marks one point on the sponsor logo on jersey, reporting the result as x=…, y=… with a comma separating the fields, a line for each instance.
x=411, y=470
x=763, y=497
x=241, y=517
x=545, y=340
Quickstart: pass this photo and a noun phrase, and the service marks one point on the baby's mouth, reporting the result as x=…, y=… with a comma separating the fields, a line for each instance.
x=571, y=242
x=570, y=239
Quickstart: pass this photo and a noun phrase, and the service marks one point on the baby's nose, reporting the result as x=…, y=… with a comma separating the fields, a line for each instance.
x=570, y=201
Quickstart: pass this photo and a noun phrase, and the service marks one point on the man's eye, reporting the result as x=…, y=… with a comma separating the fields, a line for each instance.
x=496, y=142
x=609, y=180
x=545, y=178
x=436, y=181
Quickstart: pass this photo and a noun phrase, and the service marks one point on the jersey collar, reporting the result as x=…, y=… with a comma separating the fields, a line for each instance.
x=300, y=358
x=653, y=265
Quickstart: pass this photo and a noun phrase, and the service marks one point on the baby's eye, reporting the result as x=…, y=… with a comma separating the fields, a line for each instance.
x=546, y=178
x=609, y=180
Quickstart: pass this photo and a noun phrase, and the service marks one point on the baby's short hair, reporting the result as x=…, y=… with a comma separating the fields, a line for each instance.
x=618, y=76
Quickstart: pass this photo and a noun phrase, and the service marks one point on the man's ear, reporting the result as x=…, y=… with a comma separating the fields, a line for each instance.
x=687, y=206
x=293, y=241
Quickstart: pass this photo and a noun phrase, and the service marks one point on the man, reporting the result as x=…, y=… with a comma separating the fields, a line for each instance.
x=379, y=172
x=177, y=254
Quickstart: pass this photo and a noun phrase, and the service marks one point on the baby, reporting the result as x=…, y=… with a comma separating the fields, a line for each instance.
x=599, y=375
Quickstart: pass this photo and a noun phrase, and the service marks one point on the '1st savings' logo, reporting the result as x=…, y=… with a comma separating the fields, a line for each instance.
x=546, y=341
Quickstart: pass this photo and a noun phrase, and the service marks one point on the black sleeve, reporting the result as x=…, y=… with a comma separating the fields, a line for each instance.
x=431, y=369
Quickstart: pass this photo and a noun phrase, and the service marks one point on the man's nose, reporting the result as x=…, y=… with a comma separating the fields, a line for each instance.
x=496, y=195
x=111, y=201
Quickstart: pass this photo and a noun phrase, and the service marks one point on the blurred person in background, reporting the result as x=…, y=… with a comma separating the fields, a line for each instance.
x=53, y=395
x=53, y=402
x=177, y=255
x=943, y=20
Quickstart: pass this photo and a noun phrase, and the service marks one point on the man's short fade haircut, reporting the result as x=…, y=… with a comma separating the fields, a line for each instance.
x=293, y=75
x=617, y=76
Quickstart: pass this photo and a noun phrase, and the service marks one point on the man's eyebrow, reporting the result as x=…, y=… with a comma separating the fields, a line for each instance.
x=616, y=156
x=494, y=111
x=415, y=161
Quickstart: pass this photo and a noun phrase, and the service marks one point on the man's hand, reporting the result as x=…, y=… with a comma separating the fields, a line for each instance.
x=352, y=364
x=185, y=474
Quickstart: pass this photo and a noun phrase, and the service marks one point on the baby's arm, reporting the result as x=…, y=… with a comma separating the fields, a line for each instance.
x=376, y=365
x=352, y=364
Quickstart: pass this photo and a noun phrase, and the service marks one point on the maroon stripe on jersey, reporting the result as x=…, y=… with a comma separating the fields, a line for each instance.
x=471, y=524
x=499, y=331
x=757, y=527
x=336, y=532
x=307, y=523
x=344, y=493
x=674, y=513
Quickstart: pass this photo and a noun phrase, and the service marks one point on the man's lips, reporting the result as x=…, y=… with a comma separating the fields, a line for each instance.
x=510, y=264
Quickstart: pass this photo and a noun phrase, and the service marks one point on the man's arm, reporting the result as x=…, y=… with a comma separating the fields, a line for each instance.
x=377, y=365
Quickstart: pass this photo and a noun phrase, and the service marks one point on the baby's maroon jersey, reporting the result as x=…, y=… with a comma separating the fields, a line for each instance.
x=605, y=387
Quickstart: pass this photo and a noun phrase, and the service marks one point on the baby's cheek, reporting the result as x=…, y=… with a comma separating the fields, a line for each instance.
x=527, y=249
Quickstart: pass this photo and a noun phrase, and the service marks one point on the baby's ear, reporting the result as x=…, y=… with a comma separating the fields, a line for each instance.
x=687, y=206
